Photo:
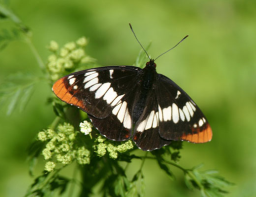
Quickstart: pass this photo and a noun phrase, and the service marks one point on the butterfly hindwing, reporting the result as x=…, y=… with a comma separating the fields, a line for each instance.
x=119, y=123
x=146, y=131
x=180, y=118
x=96, y=91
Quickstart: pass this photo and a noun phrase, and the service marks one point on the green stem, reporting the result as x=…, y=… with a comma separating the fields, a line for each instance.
x=50, y=177
x=186, y=171
x=27, y=34
x=35, y=52
x=143, y=161
x=73, y=185
x=54, y=123
x=171, y=163
x=192, y=176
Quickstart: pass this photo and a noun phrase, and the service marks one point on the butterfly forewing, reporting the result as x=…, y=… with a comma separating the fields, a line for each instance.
x=96, y=91
x=180, y=118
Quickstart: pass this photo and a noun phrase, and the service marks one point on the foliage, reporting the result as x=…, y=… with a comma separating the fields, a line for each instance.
x=64, y=143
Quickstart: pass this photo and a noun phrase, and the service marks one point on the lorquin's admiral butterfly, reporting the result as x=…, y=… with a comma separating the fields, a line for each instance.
x=126, y=102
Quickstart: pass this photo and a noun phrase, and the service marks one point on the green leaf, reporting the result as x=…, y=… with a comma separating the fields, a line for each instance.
x=164, y=167
x=142, y=57
x=127, y=158
x=13, y=102
x=16, y=91
x=188, y=182
x=35, y=188
x=8, y=35
x=34, y=151
x=27, y=92
x=59, y=183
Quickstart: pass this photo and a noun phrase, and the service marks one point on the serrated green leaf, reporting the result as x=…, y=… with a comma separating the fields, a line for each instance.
x=35, y=187
x=16, y=91
x=211, y=193
x=188, y=182
x=26, y=95
x=59, y=183
x=122, y=184
x=218, y=181
x=165, y=168
x=175, y=156
x=13, y=102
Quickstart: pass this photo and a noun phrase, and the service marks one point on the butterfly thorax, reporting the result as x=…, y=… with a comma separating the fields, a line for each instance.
x=147, y=78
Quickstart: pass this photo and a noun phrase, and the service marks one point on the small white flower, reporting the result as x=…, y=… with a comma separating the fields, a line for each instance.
x=85, y=127
x=82, y=41
x=53, y=46
x=49, y=166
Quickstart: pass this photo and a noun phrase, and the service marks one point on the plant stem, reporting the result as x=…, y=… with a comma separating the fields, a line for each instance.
x=36, y=54
x=143, y=161
x=186, y=171
x=26, y=32
x=54, y=123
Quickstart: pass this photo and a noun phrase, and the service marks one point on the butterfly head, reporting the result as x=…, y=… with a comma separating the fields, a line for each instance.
x=151, y=63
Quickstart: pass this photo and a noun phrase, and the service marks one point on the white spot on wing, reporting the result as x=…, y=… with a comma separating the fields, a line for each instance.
x=190, y=109
x=127, y=120
x=70, y=76
x=150, y=120
x=167, y=113
x=200, y=122
x=192, y=106
x=178, y=93
x=116, y=109
x=110, y=95
x=117, y=100
x=75, y=87
x=195, y=125
x=142, y=125
x=102, y=90
x=95, y=87
x=122, y=111
x=111, y=71
x=185, y=110
x=155, y=121
x=182, y=116
x=193, y=102
x=160, y=113
x=90, y=83
x=71, y=81
x=204, y=120
x=89, y=73
x=90, y=77
x=175, y=113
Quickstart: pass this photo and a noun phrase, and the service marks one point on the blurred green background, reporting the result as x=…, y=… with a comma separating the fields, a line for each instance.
x=216, y=66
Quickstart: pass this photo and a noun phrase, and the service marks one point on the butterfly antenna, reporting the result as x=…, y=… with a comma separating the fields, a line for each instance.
x=172, y=47
x=138, y=40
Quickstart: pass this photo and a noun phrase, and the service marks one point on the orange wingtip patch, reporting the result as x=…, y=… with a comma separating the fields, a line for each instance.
x=199, y=137
x=62, y=92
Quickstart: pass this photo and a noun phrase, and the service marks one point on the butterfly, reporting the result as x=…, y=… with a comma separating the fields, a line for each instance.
x=127, y=102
